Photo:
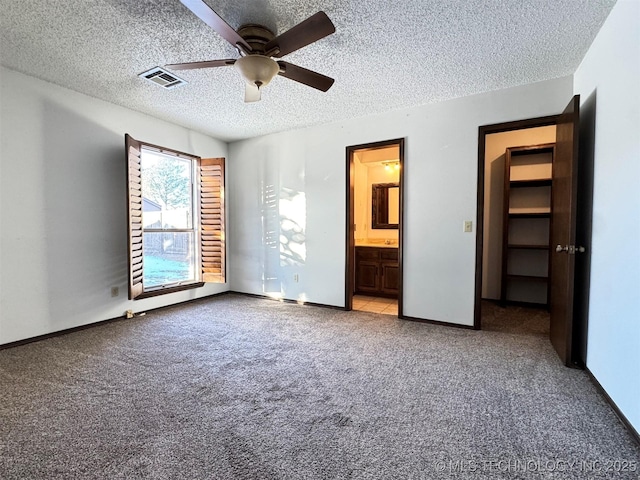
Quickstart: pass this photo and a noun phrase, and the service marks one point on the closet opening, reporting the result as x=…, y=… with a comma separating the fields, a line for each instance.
x=515, y=163
x=545, y=226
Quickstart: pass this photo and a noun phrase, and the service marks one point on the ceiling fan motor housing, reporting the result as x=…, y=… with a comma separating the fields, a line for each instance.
x=257, y=68
x=257, y=36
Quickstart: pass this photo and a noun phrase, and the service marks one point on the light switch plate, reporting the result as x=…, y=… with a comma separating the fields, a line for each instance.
x=468, y=226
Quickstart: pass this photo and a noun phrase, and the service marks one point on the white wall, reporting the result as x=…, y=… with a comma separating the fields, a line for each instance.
x=441, y=160
x=63, y=224
x=611, y=72
x=495, y=146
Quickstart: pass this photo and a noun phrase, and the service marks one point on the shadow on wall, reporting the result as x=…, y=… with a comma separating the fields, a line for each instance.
x=584, y=223
x=271, y=283
x=283, y=231
x=85, y=210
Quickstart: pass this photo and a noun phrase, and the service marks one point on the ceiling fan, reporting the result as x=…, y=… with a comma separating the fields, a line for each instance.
x=258, y=46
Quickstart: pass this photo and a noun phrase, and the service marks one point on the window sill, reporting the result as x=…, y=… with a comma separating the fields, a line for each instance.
x=163, y=291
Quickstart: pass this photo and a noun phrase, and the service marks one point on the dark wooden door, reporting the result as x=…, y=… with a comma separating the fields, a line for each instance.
x=563, y=231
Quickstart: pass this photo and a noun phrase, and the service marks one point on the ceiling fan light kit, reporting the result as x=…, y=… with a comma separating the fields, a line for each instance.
x=257, y=45
x=257, y=70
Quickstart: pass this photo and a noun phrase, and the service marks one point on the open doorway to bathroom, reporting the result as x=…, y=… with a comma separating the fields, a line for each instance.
x=373, y=273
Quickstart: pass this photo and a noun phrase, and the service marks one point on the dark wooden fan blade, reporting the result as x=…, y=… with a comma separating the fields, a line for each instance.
x=308, y=77
x=215, y=21
x=311, y=30
x=207, y=64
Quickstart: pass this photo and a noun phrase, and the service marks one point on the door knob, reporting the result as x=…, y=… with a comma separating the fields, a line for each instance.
x=560, y=248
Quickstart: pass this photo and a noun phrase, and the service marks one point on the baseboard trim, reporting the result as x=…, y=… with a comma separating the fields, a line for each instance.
x=322, y=305
x=99, y=323
x=287, y=300
x=59, y=333
x=66, y=331
x=192, y=300
x=634, y=433
x=436, y=322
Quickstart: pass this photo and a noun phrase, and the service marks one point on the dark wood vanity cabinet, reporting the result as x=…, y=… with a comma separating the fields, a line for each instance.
x=377, y=271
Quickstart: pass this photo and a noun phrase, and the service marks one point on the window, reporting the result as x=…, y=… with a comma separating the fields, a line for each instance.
x=176, y=220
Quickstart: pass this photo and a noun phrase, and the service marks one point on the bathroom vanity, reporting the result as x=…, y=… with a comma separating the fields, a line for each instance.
x=377, y=270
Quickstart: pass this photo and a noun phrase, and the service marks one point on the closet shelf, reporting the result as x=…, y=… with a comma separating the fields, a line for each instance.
x=527, y=224
x=537, y=182
x=530, y=215
x=532, y=149
x=527, y=277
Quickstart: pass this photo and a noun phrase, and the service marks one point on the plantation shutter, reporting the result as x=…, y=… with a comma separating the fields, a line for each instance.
x=212, y=237
x=134, y=206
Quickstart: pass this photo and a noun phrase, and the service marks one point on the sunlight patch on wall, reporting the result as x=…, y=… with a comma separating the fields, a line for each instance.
x=293, y=218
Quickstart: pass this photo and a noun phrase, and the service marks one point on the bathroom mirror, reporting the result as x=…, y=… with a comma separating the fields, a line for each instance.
x=385, y=205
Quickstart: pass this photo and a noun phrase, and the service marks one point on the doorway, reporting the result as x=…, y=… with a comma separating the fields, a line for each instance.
x=490, y=221
x=516, y=230
x=516, y=256
x=562, y=213
x=374, y=229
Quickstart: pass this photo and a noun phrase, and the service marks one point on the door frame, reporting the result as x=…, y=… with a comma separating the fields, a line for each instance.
x=483, y=131
x=350, y=218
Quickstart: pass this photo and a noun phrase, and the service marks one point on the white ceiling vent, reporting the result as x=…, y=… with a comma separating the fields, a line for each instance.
x=161, y=77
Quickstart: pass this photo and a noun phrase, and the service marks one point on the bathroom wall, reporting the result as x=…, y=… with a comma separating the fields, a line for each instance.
x=368, y=174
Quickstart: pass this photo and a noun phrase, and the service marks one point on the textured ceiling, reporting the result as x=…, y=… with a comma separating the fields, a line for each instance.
x=385, y=54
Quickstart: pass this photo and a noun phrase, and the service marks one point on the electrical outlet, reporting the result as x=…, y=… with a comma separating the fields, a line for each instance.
x=296, y=278
x=468, y=226
x=115, y=291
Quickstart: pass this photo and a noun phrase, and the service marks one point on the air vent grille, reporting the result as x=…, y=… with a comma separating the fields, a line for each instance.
x=161, y=77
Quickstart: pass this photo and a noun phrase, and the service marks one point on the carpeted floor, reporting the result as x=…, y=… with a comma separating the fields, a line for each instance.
x=238, y=387
x=522, y=321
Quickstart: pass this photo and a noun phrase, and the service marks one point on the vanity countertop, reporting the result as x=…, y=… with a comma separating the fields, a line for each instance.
x=361, y=243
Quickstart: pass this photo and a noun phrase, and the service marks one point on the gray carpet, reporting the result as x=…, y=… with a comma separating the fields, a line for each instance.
x=515, y=319
x=237, y=387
